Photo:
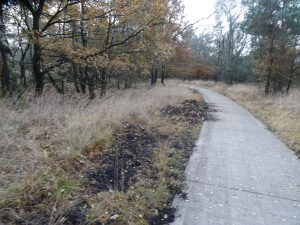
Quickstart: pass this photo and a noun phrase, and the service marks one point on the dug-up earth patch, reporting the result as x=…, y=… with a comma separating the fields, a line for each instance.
x=131, y=177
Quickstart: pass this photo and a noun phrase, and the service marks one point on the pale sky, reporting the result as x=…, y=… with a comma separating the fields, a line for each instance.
x=198, y=9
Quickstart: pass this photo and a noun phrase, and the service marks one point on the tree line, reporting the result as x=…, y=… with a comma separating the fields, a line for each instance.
x=251, y=41
x=90, y=44
x=85, y=43
x=254, y=40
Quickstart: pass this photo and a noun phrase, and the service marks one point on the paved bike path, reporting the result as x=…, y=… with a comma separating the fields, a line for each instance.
x=240, y=173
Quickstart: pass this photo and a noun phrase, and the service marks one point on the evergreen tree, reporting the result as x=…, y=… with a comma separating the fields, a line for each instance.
x=275, y=26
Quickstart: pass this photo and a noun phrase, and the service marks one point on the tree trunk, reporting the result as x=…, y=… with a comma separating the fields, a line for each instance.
x=90, y=81
x=38, y=74
x=292, y=69
x=163, y=74
x=155, y=75
x=230, y=50
x=152, y=76
x=118, y=81
x=23, y=74
x=37, y=51
x=6, y=72
x=74, y=66
x=75, y=77
x=270, y=66
x=85, y=74
x=82, y=79
x=22, y=65
x=55, y=85
x=103, y=81
x=31, y=60
x=289, y=84
x=8, y=77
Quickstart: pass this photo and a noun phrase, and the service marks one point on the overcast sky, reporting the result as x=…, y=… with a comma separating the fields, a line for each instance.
x=198, y=9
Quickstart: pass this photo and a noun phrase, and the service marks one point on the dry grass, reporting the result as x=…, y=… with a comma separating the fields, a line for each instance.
x=37, y=132
x=52, y=144
x=280, y=112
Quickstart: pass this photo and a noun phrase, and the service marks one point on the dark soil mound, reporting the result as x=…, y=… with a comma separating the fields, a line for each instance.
x=189, y=110
x=132, y=150
x=166, y=216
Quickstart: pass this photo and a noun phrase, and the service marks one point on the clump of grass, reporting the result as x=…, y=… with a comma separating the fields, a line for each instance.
x=39, y=196
x=280, y=112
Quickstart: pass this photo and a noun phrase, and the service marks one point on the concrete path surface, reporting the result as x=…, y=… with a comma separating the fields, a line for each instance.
x=240, y=173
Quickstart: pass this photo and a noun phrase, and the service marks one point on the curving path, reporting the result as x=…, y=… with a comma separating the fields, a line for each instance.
x=240, y=173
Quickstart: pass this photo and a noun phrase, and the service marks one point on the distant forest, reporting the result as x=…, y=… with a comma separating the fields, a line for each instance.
x=88, y=46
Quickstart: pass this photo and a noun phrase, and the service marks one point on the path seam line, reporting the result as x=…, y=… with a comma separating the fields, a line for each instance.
x=243, y=190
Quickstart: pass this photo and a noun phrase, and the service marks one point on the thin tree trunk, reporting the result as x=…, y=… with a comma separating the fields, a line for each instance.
x=90, y=81
x=82, y=79
x=152, y=76
x=22, y=66
x=155, y=75
x=118, y=78
x=88, y=76
x=103, y=81
x=292, y=70
x=104, y=71
x=38, y=74
x=31, y=60
x=74, y=66
x=37, y=51
x=163, y=74
x=55, y=85
x=75, y=77
x=289, y=83
x=6, y=73
x=218, y=72
x=270, y=66
x=23, y=75
x=8, y=77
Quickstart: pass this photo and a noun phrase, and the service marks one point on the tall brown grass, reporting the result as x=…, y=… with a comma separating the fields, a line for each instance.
x=33, y=131
x=280, y=112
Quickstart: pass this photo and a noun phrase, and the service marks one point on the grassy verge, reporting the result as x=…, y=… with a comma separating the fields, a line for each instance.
x=119, y=160
x=281, y=113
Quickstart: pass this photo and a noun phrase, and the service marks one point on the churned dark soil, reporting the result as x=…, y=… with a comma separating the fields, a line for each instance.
x=190, y=110
x=130, y=154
